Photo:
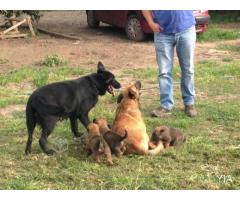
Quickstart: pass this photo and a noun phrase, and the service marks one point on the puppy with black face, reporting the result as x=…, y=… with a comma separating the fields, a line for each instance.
x=71, y=99
x=96, y=145
x=168, y=136
x=129, y=118
x=116, y=142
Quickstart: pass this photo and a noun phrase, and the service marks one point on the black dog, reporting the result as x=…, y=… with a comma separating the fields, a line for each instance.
x=68, y=99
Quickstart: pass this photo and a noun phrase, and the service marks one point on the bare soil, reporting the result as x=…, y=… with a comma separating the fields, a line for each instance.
x=108, y=44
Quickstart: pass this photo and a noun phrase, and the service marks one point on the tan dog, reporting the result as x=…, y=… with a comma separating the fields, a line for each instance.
x=168, y=136
x=96, y=145
x=129, y=117
x=116, y=142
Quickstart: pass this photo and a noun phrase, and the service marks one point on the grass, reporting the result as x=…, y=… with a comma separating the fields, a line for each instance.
x=215, y=33
x=227, y=17
x=53, y=61
x=229, y=47
x=3, y=61
x=208, y=160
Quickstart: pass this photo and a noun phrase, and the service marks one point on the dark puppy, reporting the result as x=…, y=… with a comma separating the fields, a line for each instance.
x=168, y=136
x=116, y=142
x=96, y=145
x=71, y=99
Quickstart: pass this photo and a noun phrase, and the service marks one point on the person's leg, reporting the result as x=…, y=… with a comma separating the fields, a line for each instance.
x=185, y=46
x=164, y=45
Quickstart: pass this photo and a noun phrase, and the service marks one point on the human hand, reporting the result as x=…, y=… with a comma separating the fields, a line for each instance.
x=155, y=27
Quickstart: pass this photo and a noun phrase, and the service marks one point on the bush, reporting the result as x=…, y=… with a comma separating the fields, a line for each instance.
x=53, y=61
x=34, y=14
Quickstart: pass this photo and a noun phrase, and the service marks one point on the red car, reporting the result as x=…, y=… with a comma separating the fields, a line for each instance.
x=134, y=23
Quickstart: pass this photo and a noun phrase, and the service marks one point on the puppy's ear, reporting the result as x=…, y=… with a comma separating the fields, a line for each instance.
x=138, y=85
x=100, y=67
x=120, y=97
x=132, y=94
x=125, y=136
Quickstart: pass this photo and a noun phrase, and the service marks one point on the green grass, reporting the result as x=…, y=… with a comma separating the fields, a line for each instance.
x=214, y=33
x=53, y=61
x=208, y=160
x=228, y=17
x=227, y=59
x=40, y=75
x=3, y=61
x=229, y=47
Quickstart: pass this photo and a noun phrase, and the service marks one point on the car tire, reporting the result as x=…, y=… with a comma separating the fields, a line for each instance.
x=91, y=20
x=133, y=29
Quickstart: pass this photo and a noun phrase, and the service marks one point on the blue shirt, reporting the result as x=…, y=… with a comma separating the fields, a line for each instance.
x=174, y=21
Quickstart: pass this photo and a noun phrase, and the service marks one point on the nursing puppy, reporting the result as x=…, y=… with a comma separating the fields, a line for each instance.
x=128, y=117
x=96, y=145
x=116, y=142
x=168, y=136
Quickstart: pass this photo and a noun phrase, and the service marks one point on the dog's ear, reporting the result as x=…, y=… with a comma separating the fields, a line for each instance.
x=125, y=136
x=120, y=97
x=138, y=85
x=109, y=126
x=132, y=94
x=100, y=67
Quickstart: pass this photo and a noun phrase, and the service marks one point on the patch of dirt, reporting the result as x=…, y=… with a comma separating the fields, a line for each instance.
x=108, y=44
x=8, y=111
x=24, y=86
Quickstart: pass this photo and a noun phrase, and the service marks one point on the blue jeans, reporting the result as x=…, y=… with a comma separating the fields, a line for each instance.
x=185, y=45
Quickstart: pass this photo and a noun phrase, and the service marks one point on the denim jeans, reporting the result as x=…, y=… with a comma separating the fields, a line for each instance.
x=185, y=45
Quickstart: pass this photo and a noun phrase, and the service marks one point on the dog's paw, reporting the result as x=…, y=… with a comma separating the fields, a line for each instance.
x=28, y=151
x=77, y=135
x=110, y=163
x=50, y=152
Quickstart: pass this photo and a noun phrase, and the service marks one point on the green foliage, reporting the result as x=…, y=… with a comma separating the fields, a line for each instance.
x=53, y=61
x=34, y=14
x=229, y=47
x=224, y=16
x=3, y=61
x=41, y=78
x=214, y=33
x=227, y=59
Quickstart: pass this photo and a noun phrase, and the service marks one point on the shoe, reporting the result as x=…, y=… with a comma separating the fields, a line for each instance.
x=190, y=110
x=160, y=112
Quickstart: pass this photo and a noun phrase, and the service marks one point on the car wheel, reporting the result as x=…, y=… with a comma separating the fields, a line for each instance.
x=133, y=29
x=91, y=20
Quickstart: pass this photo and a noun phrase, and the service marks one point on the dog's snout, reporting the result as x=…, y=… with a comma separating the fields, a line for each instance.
x=116, y=84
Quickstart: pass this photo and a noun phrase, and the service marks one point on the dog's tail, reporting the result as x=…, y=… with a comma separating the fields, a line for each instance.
x=31, y=123
x=48, y=108
x=156, y=150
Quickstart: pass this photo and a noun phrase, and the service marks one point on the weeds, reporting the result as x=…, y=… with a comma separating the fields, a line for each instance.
x=53, y=61
x=214, y=33
x=229, y=47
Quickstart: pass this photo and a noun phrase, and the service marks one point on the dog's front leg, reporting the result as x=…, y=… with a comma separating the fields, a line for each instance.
x=74, y=126
x=84, y=119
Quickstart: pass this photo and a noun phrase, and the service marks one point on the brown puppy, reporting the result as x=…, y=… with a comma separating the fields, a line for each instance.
x=116, y=142
x=96, y=145
x=128, y=117
x=168, y=136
